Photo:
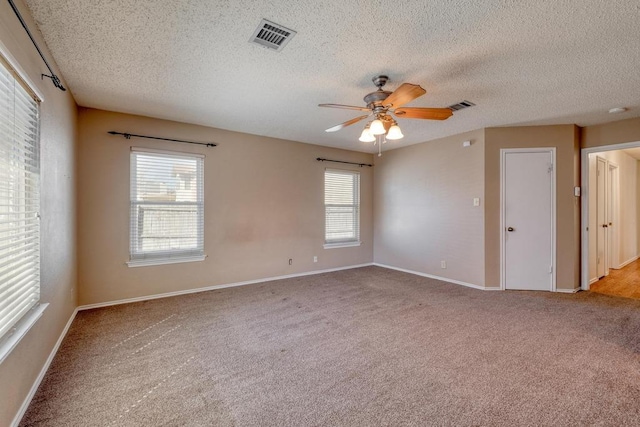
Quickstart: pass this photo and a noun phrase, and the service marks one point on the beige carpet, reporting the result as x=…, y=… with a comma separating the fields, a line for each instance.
x=362, y=347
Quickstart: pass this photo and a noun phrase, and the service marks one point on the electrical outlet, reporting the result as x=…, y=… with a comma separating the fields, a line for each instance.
x=443, y=264
x=315, y=259
x=476, y=201
x=290, y=261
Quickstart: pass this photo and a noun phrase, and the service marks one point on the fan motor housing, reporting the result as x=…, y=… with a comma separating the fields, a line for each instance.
x=375, y=98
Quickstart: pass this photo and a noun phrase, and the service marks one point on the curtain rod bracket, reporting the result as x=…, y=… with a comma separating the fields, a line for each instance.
x=55, y=80
x=320, y=159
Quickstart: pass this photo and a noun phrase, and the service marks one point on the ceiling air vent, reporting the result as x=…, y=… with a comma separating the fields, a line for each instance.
x=271, y=35
x=461, y=105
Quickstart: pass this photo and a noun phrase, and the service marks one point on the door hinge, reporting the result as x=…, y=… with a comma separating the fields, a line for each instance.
x=551, y=168
x=550, y=269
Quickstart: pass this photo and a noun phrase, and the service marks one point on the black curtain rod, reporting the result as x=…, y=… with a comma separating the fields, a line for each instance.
x=320, y=159
x=129, y=135
x=54, y=79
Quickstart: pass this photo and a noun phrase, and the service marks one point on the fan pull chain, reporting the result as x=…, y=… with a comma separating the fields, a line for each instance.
x=380, y=139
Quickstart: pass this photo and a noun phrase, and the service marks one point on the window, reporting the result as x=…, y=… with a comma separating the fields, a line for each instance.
x=167, y=207
x=342, y=208
x=19, y=208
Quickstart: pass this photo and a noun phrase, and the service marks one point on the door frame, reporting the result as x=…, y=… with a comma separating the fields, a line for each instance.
x=584, y=208
x=503, y=158
x=613, y=215
x=605, y=208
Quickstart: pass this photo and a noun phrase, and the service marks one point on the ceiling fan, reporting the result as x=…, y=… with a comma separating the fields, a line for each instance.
x=382, y=103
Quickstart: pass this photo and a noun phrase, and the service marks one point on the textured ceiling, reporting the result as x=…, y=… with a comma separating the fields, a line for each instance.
x=521, y=62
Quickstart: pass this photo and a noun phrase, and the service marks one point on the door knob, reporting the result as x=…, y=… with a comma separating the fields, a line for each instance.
x=510, y=229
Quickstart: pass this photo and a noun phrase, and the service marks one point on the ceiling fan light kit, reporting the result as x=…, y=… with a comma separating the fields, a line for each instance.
x=381, y=104
x=394, y=132
x=366, y=135
x=377, y=128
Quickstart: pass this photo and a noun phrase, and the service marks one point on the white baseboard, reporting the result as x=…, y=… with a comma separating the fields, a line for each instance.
x=567, y=291
x=431, y=276
x=43, y=371
x=211, y=288
x=627, y=262
x=594, y=280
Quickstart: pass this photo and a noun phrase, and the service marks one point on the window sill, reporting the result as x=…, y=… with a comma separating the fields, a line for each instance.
x=341, y=245
x=162, y=261
x=21, y=329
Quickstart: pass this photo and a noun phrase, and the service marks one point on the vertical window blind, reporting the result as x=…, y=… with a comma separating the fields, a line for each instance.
x=167, y=206
x=19, y=201
x=342, y=206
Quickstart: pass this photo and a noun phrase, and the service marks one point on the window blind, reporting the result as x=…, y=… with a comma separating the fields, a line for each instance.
x=342, y=206
x=167, y=206
x=19, y=202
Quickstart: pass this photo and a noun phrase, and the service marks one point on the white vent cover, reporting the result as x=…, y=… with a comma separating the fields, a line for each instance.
x=461, y=105
x=272, y=35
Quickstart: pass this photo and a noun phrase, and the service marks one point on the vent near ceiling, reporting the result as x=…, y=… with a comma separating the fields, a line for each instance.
x=272, y=35
x=461, y=105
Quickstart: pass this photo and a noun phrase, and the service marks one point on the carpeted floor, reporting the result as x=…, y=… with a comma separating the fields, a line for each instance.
x=362, y=347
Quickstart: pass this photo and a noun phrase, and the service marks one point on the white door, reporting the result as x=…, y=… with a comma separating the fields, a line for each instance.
x=601, y=218
x=528, y=203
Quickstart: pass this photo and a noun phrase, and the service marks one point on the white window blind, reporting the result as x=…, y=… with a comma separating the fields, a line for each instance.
x=19, y=202
x=167, y=206
x=342, y=206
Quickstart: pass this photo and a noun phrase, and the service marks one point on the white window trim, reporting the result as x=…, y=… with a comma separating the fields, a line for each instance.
x=9, y=341
x=20, y=330
x=171, y=257
x=162, y=261
x=15, y=67
x=341, y=245
x=345, y=243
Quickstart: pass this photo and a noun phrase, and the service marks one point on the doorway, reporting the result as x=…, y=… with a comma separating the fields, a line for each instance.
x=610, y=218
x=527, y=237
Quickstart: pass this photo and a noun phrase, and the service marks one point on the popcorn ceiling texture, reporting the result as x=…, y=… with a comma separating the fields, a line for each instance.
x=542, y=62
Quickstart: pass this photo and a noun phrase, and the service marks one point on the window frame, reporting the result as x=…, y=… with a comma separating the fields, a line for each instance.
x=356, y=189
x=19, y=328
x=138, y=258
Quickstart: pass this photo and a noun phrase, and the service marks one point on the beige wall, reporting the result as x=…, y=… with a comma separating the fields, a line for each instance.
x=566, y=140
x=263, y=205
x=424, y=213
x=611, y=133
x=58, y=248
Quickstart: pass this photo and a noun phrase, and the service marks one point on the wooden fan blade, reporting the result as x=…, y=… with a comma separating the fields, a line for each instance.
x=405, y=93
x=347, y=123
x=424, y=113
x=346, y=107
